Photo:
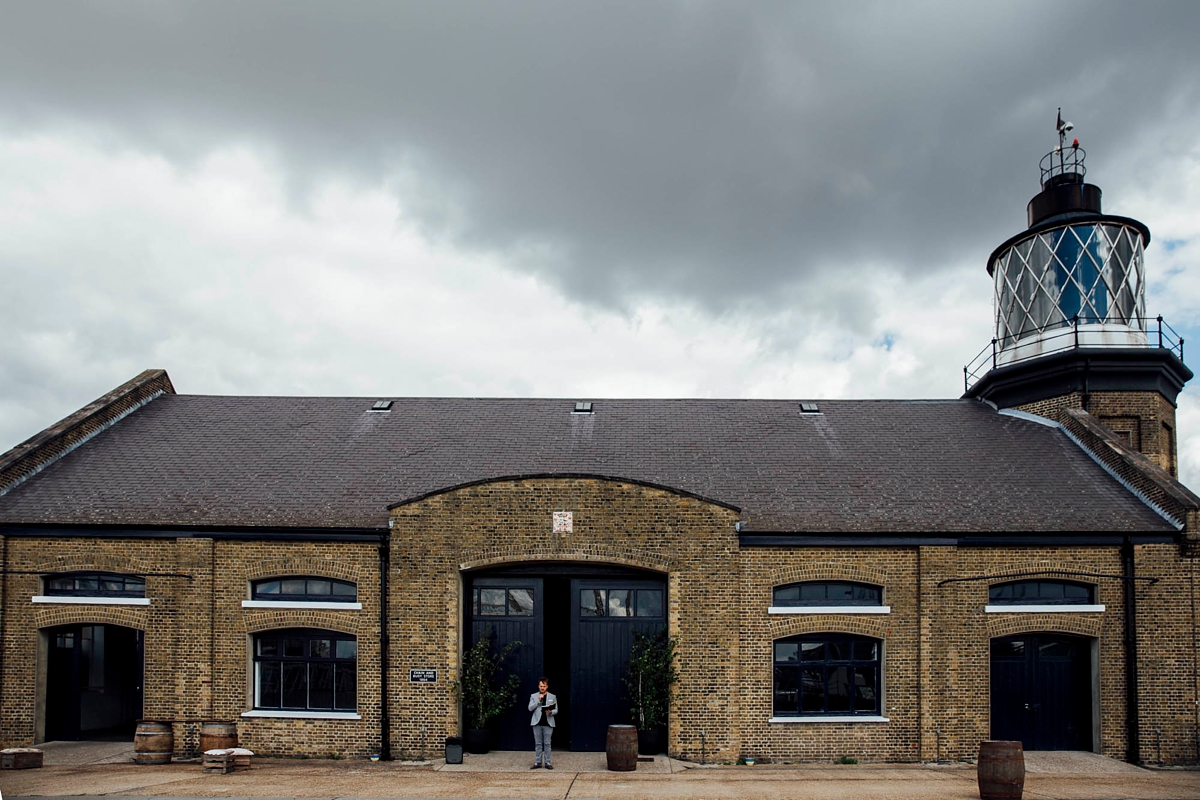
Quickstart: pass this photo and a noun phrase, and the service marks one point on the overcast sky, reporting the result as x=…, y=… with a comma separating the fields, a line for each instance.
x=559, y=199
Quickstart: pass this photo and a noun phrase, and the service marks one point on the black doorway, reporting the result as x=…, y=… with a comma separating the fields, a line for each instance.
x=93, y=682
x=576, y=624
x=1042, y=691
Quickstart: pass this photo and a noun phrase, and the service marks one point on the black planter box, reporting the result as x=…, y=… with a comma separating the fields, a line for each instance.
x=454, y=750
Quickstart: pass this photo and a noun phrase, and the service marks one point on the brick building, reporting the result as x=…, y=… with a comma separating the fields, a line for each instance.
x=890, y=580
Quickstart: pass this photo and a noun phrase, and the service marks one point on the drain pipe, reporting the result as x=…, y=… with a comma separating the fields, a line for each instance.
x=385, y=721
x=1132, y=726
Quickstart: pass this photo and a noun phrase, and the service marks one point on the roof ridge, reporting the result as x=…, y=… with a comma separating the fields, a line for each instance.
x=43, y=449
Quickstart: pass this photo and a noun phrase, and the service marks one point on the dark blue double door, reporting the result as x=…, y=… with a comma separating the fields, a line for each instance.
x=1042, y=691
x=575, y=629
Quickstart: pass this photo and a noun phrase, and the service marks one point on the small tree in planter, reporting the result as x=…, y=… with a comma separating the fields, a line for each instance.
x=648, y=679
x=483, y=696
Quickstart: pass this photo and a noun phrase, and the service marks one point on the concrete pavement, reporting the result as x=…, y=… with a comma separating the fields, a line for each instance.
x=581, y=776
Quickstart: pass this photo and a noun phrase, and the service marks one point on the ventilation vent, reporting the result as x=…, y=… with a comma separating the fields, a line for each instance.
x=582, y=408
x=809, y=408
x=382, y=405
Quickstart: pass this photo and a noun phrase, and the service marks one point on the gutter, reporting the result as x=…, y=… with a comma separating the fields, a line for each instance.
x=385, y=721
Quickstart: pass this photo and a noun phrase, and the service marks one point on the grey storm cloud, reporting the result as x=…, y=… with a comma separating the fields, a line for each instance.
x=716, y=153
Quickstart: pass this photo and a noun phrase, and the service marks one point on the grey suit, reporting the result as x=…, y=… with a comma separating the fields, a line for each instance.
x=542, y=733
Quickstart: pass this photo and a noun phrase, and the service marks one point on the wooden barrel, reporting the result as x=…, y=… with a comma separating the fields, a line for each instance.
x=217, y=736
x=621, y=748
x=1001, y=770
x=153, y=742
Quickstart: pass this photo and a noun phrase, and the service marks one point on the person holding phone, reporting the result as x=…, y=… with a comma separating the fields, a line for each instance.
x=544, y=706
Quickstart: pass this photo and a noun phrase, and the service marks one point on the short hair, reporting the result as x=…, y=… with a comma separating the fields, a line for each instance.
x=544, y=680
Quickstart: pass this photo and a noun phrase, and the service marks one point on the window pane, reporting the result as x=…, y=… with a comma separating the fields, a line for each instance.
x=520, y=602
x=787, y=690
x=649, y=603
x=87, y=584
x=475, y=603
x=618, y=603
x=786, y=595
x=838, y=689
x=813, y=592
x=293, y=648
x=269, y=682
x=838, y=650
x=293, y=586
x=319, y=648
x=343, y=589
x=66, y=640
x=491, y=602
x=591, y=602
x=345, y=689
x=1073, y=591
x=812, y=651
x=786, y=651
x=1011, y=648
x=267, y=587
x=295, y=685
x=137, y=585
x=839, y=593
x=867, y=595
x=268, y=647
x=62, y=584
x=112, y=585
x=320, y=686
x=812, y=691
x=347, y=649
x=864, y=689
x=1055, y=649
x=319, y=588
x=865, y=651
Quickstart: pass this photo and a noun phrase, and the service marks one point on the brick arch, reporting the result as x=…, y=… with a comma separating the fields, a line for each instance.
x=78, y=614
x=285, y=567
x=800, y=624
x=1088, y=625
x=593, y=553
x=95, y=562
x=353, y=623
x=828, y=570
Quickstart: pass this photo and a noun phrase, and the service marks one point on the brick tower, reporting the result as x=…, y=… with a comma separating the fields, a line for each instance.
x=1071, y=326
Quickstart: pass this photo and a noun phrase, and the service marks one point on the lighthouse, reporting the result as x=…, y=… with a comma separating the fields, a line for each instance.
x=1071, y=329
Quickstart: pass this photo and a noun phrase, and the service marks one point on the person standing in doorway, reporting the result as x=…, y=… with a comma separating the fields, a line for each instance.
x=544, y=706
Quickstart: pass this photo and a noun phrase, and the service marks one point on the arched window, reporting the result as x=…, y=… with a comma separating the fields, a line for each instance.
x=94, y=584
x=304, y=589
x=1042, y=592
x=828, y=674
x=827, y=593
x=302, y=669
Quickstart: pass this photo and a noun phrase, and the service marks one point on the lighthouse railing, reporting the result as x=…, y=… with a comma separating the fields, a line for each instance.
x=1159, y=335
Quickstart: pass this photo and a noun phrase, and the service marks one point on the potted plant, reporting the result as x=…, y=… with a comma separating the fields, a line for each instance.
x=484, y=697
x=648, y=679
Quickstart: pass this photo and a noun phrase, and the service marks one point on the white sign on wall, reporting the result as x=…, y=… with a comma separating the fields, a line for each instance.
x=563, y=521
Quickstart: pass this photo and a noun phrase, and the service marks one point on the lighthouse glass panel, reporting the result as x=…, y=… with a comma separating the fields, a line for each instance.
x=1086, y=273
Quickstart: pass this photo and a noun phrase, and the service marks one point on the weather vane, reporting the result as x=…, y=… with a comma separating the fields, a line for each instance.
x=1063, y=129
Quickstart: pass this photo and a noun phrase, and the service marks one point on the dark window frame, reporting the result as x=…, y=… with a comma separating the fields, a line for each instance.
x=1047, y=592
x=131, y=585
x=268, y=662
x=843, y=655
x=861, y=594
x=633, y=604
x=511, y=608
x=308, y=596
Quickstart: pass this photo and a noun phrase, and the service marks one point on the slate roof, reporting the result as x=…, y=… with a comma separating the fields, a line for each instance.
x=860, y=465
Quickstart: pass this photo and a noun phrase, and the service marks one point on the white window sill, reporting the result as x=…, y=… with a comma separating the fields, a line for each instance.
x=94, y=601
x=829, y=610
x=1056, y=609
x=301, y=604
x=829, y=719
x=303, y=714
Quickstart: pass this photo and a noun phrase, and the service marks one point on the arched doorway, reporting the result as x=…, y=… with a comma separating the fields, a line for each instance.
x=1042, y=691
x=93, y=682
x=576, y=624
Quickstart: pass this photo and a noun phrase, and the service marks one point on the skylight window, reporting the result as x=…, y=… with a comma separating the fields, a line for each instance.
x=382, y=405
x=809, y=408
x=583, y=408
